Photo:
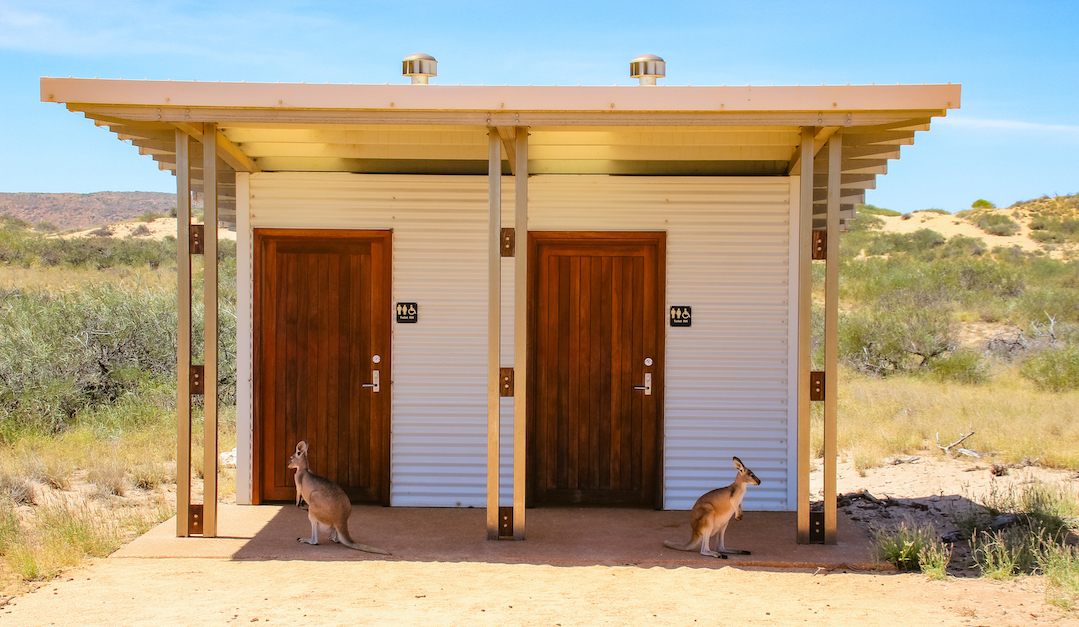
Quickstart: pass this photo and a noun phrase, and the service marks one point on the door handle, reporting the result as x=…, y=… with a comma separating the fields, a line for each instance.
x=374, y=385
x=647, y=387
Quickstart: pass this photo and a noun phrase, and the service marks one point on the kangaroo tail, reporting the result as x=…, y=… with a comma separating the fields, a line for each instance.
x=365, y=548
x=679, y=547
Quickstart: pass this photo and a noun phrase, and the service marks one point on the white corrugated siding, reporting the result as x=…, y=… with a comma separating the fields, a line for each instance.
x=727, y=257
x=438, y=429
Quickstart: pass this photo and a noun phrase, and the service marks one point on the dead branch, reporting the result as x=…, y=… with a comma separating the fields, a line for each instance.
x=948, y=449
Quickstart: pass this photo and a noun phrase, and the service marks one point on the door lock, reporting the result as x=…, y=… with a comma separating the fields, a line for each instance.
x=374, y=385
x=647, y=387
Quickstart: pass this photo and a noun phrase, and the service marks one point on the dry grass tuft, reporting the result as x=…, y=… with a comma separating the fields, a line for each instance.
x=1012, y=420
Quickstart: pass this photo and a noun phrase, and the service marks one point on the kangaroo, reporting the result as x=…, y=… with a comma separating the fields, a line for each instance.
x=327, y=503
x=713, y=511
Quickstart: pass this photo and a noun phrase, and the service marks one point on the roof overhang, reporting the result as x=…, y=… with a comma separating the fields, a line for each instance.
x=443, y=129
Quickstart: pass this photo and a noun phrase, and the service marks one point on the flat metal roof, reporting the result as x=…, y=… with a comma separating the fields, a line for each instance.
x=442, y=129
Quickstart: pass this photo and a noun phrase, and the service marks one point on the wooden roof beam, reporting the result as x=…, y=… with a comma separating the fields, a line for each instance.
x=508, y=135
x=230, y=152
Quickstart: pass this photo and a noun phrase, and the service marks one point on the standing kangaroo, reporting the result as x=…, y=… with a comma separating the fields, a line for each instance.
x=327, y=503
x=713, y=511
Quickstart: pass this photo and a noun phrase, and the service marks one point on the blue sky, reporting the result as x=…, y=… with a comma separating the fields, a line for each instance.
x=1016, y=136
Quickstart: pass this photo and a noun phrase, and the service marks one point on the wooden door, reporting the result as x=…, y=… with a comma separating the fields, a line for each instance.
x=595, y=317
x=321, y=333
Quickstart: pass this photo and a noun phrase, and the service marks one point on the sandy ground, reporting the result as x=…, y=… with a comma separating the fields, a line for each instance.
x=154, y=229
x=364, y=589
x=948, y=225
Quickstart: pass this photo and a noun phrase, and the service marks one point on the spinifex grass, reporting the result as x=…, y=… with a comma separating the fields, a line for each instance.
x=879, y=418
x=1060, y=564
x=904, y=545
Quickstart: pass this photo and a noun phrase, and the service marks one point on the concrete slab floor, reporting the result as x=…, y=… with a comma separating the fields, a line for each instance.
x=556, y=536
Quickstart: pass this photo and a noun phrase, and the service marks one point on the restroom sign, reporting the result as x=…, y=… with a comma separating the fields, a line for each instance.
x=408, y=312
x=681, y=316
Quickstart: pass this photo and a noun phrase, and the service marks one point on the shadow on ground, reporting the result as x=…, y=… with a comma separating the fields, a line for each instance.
x=557, y=537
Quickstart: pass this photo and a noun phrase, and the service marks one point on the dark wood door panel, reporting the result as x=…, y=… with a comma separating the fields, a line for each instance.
x=595, y=316
x=321, y=314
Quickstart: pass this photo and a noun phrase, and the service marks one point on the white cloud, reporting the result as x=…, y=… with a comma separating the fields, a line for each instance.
x=1009, y=125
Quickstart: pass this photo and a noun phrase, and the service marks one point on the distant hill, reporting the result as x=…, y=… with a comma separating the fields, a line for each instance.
x=1048, y=225
x=80, y=211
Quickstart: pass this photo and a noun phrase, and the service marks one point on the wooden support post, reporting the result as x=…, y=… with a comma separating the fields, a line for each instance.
x=183, y=335
x=805, y=294
x=520, y=330
x=831, y=336
x=209, y=271
x=494, y=321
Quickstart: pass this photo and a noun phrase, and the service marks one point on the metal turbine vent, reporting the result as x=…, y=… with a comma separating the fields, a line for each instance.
x=647, y=68
x=420, y=67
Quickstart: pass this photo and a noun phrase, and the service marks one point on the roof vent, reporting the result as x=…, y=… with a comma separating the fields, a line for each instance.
x=419, y=66
x=647, y=68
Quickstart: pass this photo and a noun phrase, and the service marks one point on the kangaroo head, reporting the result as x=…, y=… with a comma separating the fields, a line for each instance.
x=745, y=475
x=299, y=458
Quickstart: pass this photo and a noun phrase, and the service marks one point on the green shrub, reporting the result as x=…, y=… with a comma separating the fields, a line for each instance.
x=981, y=203
x=1004, y=554
x=997, y=224
x=21, y=248
x=1055, y=370
x=904, y=545
x=963, y=246
x=1060, y=564
x=895, y=340
x=867, y=222
x=934, y=559
x=60, y=352
x=960, y=366
x=872, y=210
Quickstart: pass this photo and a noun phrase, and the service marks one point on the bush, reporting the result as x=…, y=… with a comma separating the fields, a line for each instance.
x=997, y=224
x=1061, y=567
x=27, y=249
x=904, y=545
x=62, y=352
x=981, y=203
x=1056, y=370
x=895, y=340
x=960, y=366
x=872, y=210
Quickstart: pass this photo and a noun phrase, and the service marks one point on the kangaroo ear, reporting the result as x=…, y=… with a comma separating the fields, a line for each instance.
x=738, y=463
x=302, y=447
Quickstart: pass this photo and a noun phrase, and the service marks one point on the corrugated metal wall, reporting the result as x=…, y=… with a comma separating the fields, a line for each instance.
x=438, y=444
x=727, y=256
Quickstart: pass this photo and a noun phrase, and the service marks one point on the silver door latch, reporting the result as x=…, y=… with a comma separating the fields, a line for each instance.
x=374, y=384
x=647, y=387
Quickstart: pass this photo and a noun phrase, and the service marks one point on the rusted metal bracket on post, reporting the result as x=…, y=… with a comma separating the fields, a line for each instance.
x=194, y=520
x=816, y=385
x=197, y=238
x=508, y=242
x=820, y=245
x=198, y=379
x=505, y=381
x=816, y=527
x=505, y=523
